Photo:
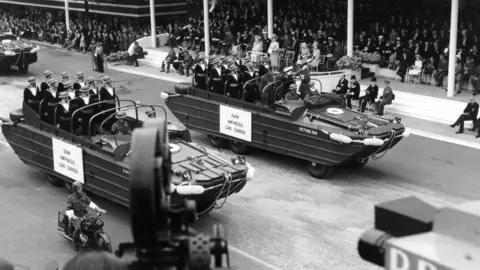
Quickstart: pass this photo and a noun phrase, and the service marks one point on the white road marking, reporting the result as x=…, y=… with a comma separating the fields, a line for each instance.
x=253, y=258
x=447, y=139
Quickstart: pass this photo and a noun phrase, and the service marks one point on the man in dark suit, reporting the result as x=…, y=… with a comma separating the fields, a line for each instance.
x=469, y=113
x=342, y=86
x=385, y=99
x=353, y=91
x=427, y=50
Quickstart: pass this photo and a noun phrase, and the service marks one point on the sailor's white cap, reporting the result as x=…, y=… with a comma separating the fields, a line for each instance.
x=287, y=69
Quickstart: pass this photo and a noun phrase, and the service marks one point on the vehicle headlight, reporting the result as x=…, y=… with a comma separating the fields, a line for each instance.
x=164, y=95
x=35, y=49
x=238, y=160
x=9, y=53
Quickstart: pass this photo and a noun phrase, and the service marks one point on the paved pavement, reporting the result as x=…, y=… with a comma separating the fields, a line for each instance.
x=284, y=217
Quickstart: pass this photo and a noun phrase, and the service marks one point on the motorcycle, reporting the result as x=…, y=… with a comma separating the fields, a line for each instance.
x=92, y=235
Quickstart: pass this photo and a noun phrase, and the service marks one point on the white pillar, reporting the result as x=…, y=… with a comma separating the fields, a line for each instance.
x=153, y=25
x=452, y=51
x=206, y=30
x=67, y=15
x=270, y=17
x=350, y=29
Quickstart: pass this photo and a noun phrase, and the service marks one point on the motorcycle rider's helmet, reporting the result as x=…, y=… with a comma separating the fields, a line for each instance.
x=76, y=185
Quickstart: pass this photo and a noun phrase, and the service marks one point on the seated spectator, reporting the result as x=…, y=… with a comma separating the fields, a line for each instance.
x=429, y=66
x=304, y=55
x=405, y=62
x=469, y=113
x=342, y=86
x=315, y=56
x=441, y=71
x=257, y=49
x=469, y=70
x=416, y=69
x=171, y=57
x=385, y=99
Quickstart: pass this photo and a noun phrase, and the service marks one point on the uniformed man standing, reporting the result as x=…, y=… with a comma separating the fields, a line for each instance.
x=98, y=57
x=80, y=81
x=304, y=75
x=107, y=93
x=121, y=126
x=187, y=63
x=50, y=101
x=44, y=85
x=32, y=95
x=65, y=77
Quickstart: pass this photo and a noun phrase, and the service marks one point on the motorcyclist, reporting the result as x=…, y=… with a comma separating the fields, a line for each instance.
x=77, y=204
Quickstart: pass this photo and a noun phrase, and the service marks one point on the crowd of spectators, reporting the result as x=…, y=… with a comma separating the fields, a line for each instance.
x=309, y=31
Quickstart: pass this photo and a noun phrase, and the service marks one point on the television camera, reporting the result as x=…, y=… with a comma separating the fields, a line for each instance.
x=410, y=234
x=162, y=237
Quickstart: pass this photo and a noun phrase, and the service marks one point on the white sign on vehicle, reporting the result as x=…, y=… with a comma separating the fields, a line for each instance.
x=68, y=160
x=397, y=259
x=236, y=123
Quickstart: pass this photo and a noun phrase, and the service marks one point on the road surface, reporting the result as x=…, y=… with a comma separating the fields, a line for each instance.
x=284, y=218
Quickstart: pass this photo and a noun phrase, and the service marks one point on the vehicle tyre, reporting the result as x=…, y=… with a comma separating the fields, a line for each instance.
x=54, y=181
x=358, y=164
x=239, y=148
x=217, y=142
x=16, y=115
x=182, y=88
x=23, y=69
x=104, y=245
x=319, y=171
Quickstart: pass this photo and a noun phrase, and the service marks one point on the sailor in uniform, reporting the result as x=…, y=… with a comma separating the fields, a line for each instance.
x=304, y=75
x=32, y=95
x=286, y=79
x=216, y=81
x=200, y=76
x=80, y=81
x=233, y=88
x=93, y=90
x=50, y=101
x=86, y=112
x=64, y=78
x=353, y=91
x=107, y=93
x=63, y=112
x=44, y=85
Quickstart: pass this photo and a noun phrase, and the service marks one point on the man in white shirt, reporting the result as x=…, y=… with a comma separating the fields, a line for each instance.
x=132, y=54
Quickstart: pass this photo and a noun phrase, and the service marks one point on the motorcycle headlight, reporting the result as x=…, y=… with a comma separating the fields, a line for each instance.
x=187, y=175
x=9, y=53
x=99, y=224
x=35, y=49
x=238, y=160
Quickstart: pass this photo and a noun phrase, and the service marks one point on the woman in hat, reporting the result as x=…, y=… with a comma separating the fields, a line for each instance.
x=107, y=93
x=273, y=52
x=64, y=77
x=304, y=55
x=32, y=95
x=86, y=112
x=50, y=101
x=417, y=67
x=63, y=112
x=44, y=85
x=80, y=81
x=121, y=125
x=257, y=49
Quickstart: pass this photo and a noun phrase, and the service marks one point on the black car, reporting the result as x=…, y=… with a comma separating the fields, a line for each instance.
x=16, y=52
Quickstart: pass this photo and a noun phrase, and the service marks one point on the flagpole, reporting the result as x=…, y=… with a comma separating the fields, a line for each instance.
x=206, y=30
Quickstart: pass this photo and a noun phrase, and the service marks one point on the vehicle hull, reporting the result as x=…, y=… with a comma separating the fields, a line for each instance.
x=104, y=176
x=199, y=110
x=21, y=59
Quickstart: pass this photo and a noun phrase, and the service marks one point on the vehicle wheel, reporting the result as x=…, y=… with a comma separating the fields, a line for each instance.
x=68, y=186
x=358, y=164
x=103, y=245
x=16, y=115
x=54, y=181
x=23, y=69
x=319, y=171
x=217, y=142
x=239, y=148
x=182, y=88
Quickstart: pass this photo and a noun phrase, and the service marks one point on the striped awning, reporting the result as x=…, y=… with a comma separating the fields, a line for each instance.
x=128, y=8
